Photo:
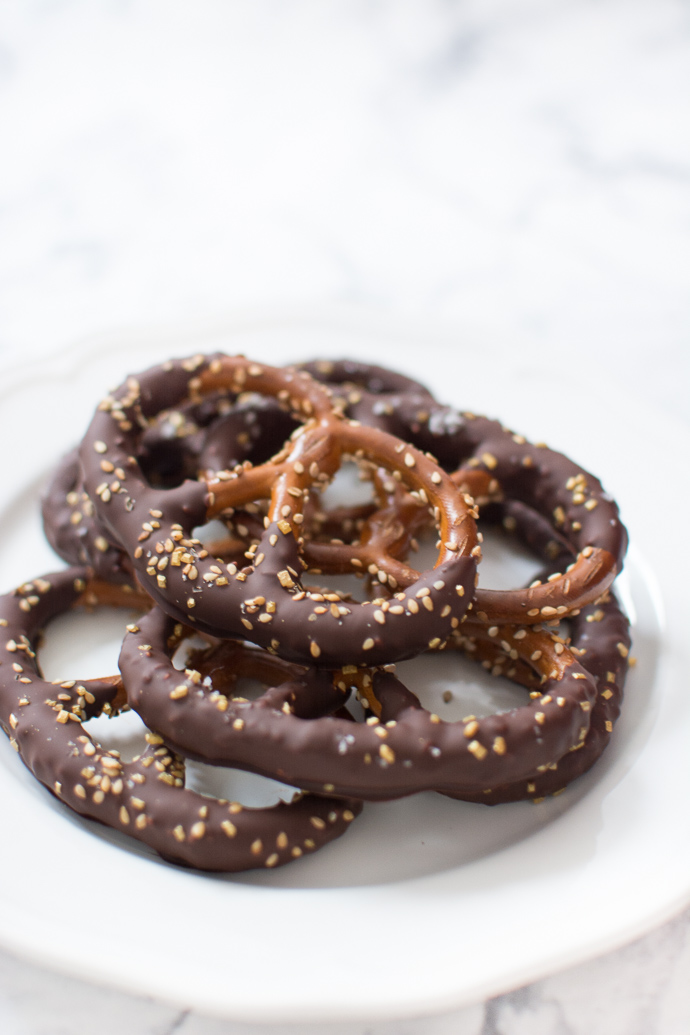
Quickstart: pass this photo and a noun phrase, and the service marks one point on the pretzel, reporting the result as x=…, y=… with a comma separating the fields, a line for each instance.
x=264, y=602
x=406, y=749
x=72, y=529
x=491, y=462
x=600, y=637
x=145, y=798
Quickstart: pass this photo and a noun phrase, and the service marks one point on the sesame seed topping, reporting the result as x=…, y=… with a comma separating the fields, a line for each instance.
x=387, y=753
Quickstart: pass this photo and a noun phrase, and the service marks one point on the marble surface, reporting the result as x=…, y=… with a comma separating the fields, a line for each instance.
x=523, y=168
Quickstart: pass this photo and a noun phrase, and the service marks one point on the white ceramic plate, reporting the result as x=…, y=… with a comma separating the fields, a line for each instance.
x=426, y=904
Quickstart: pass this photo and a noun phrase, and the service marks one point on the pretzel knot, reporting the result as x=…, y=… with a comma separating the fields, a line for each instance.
x=264, y=601
x=490, y=462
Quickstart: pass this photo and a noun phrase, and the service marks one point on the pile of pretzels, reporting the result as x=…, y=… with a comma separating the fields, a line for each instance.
x=226, y=439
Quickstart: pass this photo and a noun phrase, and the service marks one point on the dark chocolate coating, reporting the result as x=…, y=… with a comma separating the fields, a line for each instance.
x=601, y=635
x=212, y=435
x=418, y=752
x=145, y=798
x=194, y=588
x=375, y=395
x=254, y=429
x=504, y=465
x=71, y=526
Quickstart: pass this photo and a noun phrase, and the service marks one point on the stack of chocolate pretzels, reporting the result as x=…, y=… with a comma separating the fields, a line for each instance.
x=254, y=447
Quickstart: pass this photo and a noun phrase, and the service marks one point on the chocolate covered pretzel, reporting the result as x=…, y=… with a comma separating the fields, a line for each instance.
x=145, y=798
x=492, y=463
x=600, y=637
x=264, y=601
x=404, y=749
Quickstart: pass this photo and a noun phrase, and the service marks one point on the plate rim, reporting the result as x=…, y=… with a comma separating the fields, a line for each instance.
x=19, y=373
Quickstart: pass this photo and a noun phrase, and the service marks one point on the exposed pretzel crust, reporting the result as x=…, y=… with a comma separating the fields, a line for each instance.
x=492, y=463
x=153, y=524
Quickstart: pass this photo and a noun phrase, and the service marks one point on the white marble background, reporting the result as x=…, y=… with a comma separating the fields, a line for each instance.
x=521, y=166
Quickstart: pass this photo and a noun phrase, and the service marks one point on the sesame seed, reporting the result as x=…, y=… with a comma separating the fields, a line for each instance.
x=387, y=753
x=368, y=644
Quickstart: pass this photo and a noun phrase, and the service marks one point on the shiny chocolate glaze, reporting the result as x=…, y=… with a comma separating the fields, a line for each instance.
x=488, y=459
x=408, y=750
x=145, y=798
x=265, y=602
